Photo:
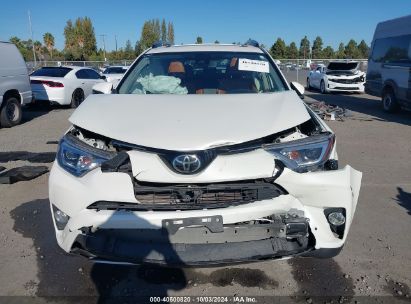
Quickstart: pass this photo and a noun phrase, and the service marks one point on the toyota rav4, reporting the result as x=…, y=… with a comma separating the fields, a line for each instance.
x=202, y=154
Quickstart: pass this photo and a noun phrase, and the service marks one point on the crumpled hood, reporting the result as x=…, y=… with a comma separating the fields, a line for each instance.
x=189, y=122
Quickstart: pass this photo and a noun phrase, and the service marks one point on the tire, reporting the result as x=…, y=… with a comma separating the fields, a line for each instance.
x=308, y=84
x=10, y=113
x=389, y=101
x=77, y=98
x=322, y=87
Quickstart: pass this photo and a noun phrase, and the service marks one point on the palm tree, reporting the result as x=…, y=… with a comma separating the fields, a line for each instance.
x=48, y=39
x=37, y=48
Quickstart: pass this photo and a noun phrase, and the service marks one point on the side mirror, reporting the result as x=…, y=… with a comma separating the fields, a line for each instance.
x=103, y=77
x=102, y=88
x=299, y=88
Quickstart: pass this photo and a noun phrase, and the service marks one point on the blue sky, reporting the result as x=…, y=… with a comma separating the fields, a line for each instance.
x=223, y=20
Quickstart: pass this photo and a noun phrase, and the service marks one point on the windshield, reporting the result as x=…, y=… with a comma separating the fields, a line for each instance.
x=51, y=72
x=115, y=70
x=202, y=73
x=342, y=66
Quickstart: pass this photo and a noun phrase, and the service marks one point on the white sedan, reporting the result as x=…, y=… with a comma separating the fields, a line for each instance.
x=115, y=73
x=338, y=76
x=64, y=85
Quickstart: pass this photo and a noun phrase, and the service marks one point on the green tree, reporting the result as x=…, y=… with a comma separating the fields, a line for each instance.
x=278, y=49
x=199, y=40
x=48, y=40
x=317, y=47
x=170, y=33
x=25, y=47
x=80, y=40
x=216, y=42
x=363, y=49
x=163, y=31
x=157, y=29
x=328, y=52
x=305, y=48
x=128, y=52
x=351, y=49
x=16, y=41
x=38, y=48
x=341, y=51
x=292, y=51
x=149, y=35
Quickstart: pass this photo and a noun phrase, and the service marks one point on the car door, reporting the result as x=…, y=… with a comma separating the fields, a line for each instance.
x=88, y=80
x=316, y=77
x=83, y=83
x=93, y=78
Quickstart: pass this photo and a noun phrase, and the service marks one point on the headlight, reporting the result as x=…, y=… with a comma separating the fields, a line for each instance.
x=79, y=158
x=303, y=155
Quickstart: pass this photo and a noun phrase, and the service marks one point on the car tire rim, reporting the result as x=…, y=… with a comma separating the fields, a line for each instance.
x=387, y=101
x=78, y=97
x=12, y=111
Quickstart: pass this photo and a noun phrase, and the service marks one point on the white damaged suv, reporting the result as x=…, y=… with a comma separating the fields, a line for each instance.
x=203, y=154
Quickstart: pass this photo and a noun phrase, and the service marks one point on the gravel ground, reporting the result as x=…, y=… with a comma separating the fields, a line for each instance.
x=376, y=260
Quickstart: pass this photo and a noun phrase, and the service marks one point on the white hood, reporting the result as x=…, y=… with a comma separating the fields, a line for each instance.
x=189, y=122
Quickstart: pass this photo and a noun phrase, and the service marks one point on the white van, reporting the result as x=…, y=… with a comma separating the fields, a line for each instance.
x=15, y=87
x=389, y=64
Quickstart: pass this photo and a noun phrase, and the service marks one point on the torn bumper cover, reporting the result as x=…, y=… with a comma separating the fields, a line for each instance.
x=190, y=241
x=108, y=221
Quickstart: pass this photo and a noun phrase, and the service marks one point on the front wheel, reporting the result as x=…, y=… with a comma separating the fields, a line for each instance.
x=10, y=113
x=322, y=87
x=389, y=102
x=77, y=98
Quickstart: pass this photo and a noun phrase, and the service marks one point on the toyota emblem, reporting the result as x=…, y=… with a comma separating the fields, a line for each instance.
x=187, y=163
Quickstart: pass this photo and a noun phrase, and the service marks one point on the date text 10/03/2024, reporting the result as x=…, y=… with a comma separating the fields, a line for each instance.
x=203, y=299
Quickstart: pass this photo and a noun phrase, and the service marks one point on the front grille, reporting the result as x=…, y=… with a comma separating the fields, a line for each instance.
x=346, y=88
x=347, y=81
x=152, y=196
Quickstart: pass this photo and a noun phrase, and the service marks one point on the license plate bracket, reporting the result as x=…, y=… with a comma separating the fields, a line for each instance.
x=213, y=223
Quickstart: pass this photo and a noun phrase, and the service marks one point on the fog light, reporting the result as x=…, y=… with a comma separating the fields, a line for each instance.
x=336, y=218
x=60, y=218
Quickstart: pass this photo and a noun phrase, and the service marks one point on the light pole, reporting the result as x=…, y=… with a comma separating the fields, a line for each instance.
x=32, y=41
x=104, y=45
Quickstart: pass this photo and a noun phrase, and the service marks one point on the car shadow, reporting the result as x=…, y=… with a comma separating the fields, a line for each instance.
x=74, y=279
x=30, y=112
x=362, y=104
x=404, y=199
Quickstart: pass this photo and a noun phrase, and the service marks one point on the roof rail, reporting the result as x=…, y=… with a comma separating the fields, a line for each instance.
x=160, y=43
x=252, y=42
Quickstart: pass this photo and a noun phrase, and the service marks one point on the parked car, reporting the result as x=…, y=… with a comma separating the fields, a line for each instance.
x=187, y=164
x=389, y=64
x=15, y=88
x=114, y=73
x=338, y=76
x=65, y=85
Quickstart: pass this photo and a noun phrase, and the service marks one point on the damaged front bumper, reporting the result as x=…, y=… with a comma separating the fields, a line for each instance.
x=105, y=224
x=199, y=241
x=350, y=86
